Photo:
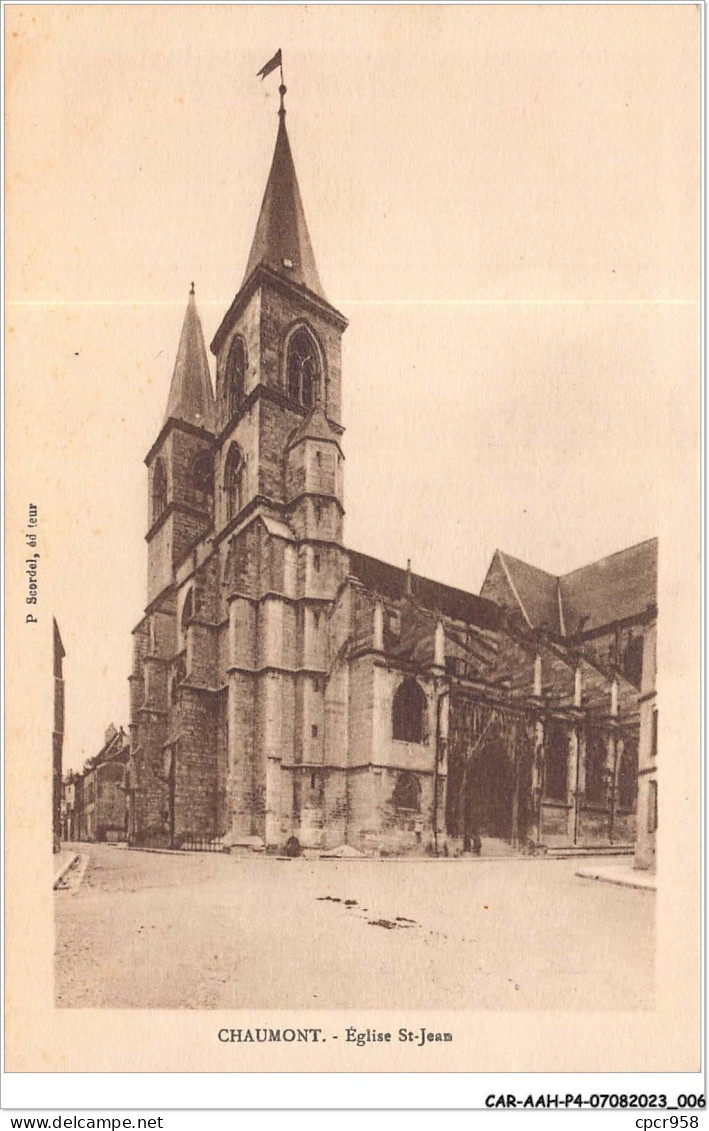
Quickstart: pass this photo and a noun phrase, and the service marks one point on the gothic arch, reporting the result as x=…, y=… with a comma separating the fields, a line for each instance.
x=628, y=775
x=234, y=481
x=235, y=377
x=597, y=773
x=409, y=712
x=159, y=489
x=304, y=366
x=202, y=475
x=556, y=747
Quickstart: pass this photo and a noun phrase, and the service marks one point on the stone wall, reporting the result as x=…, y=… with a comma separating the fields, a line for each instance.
x=196, y=807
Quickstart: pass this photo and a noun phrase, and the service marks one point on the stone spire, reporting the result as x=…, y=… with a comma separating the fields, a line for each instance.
x=191, y=397
x=281, y=241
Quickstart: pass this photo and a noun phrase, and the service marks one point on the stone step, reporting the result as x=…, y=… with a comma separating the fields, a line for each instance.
x=591, y=850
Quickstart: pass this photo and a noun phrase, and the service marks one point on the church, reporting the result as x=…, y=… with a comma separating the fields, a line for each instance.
x=288, y=693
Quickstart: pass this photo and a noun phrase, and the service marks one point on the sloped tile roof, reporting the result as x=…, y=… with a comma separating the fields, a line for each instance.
x=314, y=427
x=390, y=581
x=615, y=588
x=536, y=591
x=278, y=529
x=612, y=589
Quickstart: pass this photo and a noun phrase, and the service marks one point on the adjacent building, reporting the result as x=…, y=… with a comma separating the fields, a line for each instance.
x=57, y=734
x=645, y=852
x=71, y=785
x=95, y=800
x=606, y=614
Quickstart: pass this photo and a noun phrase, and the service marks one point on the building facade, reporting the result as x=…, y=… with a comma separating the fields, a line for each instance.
x=70, y=827
x=96, y=800
x=645, y=853
x=605, y=615
x=288, y=689
x=57, y=735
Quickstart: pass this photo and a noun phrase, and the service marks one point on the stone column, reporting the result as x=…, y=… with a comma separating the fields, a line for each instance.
x=574, y=775
x=440, y=763
x=572, y=782
x=537, y=775
x=378, y=628
x=612, y=760
x=439, y=647
x=241, y=701
x=537, y=763
x=581, y=785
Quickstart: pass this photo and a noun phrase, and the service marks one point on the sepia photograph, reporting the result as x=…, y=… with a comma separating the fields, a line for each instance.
x=353, y=464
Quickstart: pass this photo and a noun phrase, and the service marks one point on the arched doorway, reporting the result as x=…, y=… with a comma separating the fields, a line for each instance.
x=490, y=792
x=489, y=782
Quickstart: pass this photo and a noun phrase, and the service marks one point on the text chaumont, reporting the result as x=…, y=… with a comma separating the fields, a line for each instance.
x=260, y=1036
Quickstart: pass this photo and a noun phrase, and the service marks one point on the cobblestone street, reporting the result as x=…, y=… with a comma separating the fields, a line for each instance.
x=152, y=930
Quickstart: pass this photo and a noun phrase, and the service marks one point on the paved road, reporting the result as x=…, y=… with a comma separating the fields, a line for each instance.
x=207, y=931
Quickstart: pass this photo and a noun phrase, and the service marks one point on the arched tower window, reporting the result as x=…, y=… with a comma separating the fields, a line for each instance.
x=409, y=713
x=407, y=793
x=187, y=609
x=159, y=489
x=303, y=369
x=633, y=660
x=233, y=481
x=202, y=472
x=235, y=377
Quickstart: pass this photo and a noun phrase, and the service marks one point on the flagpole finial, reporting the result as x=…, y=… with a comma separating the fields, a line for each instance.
x=282, y=109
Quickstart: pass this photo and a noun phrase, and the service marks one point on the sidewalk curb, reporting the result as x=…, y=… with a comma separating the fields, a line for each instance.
x=59, y=876
x=467, y=858
x=605, y=876
x=175, y=851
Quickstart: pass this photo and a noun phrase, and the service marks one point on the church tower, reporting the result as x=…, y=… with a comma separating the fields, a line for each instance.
x=172, y=778
x=278, y=355
x=180, y=461
x=278, y=511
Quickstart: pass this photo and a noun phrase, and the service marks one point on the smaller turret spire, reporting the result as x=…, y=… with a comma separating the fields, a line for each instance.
x=191, y=396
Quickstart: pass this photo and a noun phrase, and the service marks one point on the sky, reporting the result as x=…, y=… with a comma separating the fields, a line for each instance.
x=502, y=200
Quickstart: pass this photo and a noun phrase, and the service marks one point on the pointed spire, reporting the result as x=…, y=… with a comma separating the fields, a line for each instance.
x=191, y=397
x=282, y=242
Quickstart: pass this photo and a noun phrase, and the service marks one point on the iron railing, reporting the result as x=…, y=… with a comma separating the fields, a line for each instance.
x=201, y=844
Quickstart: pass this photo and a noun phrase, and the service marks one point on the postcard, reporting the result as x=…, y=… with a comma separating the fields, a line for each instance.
x=353, y=538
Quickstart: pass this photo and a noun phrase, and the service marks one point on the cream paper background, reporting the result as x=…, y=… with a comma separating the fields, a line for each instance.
x=504, y=201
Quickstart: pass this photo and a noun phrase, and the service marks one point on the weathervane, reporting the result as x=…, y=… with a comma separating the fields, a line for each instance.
x=276, y=61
